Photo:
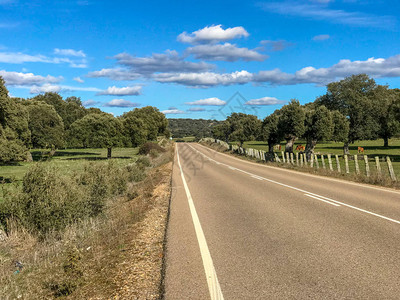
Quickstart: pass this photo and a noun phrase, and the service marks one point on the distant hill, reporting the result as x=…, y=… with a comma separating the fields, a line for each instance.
x=191, y=127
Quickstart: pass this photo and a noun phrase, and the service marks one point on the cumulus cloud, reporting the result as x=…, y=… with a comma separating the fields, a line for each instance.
x=123, y=91
x=276, y=45
x=212, y=34
x=69, y=52
x=375, y=67
x=115, y=74
x=205, y=79
x=18, y=78
x=323, y=13
x=45, y=88
x=209, y=101
x=321, y=37
x=78, y=79
x=90, y=102
x=174, y=111
x=171, y=61
x=224, y=52
x=121, y=103
x=264, y=101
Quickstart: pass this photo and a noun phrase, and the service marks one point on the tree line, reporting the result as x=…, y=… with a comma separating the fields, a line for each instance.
x=49, y=121
x=198, y=128
x=355, y=108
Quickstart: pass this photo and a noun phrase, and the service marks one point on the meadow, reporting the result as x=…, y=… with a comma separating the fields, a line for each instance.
x=371, y=148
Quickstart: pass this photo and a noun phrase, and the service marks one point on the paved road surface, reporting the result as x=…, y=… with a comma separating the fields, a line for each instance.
x=239, y=230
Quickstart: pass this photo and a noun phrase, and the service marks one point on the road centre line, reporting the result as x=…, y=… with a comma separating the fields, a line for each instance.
x=211, y=275
x=313, y=194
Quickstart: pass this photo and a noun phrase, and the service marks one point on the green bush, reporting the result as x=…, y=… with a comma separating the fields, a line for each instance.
x=143, y=162
x=147, y=147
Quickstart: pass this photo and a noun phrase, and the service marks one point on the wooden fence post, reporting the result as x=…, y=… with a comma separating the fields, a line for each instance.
x=277, y=158
x=390, y=167
x=323, y=161
x=283, y=157
x=316, y=161
x=297, y=158
x=301, y=160
x=330, y=162
x=356, y=164
x=312, y=161
x=305, y=159
x=292, y=158
x=378, y=166
x=338, y=163
x=346, y=162
x=287, y=158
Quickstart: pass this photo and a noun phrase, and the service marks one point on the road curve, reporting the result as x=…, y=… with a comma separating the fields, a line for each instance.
x=268, y=233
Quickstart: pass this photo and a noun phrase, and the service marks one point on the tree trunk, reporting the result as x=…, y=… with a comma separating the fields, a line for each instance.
x=385, y=141
x=108, y=153
x=289, y=144
x=346, y=150
x=271, y=148
x=310, y=146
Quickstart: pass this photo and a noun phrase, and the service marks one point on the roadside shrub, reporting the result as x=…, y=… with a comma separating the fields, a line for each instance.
x=143, y=162
x=135, y=172
x=147, y=147
x=153, y=153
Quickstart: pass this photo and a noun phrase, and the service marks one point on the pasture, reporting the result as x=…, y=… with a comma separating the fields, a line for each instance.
x=371, y=148
x=68, y=161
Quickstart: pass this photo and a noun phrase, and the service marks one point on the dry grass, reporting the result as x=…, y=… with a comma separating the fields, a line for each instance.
x=91, y=259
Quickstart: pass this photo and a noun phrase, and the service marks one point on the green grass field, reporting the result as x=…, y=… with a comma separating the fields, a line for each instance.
x=68, y=161
x=372, y=149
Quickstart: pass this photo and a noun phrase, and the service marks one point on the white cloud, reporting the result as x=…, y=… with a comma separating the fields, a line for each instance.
x=69, y=52
x=121, y=103
x=17, y=78
x=206, y=79
x=168, y=62
x=225, y=52
x=90, y=102
x=173, y=112
x=78, y=79
x=323, y=13
x=375, y=67
x=45, y=88
x=265, y=101
x=321, y=37
x=211, y=34
x=123, y=91
x=209, y=101
x=115, y=74
x=196, y=109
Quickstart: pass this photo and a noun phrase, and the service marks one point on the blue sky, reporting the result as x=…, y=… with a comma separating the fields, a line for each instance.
x=188, y=58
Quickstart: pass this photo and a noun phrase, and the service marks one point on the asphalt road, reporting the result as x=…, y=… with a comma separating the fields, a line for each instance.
x=239, y=230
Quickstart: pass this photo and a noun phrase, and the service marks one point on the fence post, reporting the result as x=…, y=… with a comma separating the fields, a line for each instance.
x=330, y=162
x=366, y=165
x=292, y=158
x=316, y=161
x=312, y=161
x=346, y=162
x=297, y=158
x=378, y=166
x=323, y=161
x=283, y=157
x=338, y=163
x=277, y=158
x=305, y=159
x=301, y=160
x=356, y=164
x=390, y=167
x=287, y=158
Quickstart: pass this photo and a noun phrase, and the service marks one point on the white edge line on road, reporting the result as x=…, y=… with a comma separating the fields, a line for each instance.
x=316, y=195
x=306, y=174
x=311, y=196
x=212, y=280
